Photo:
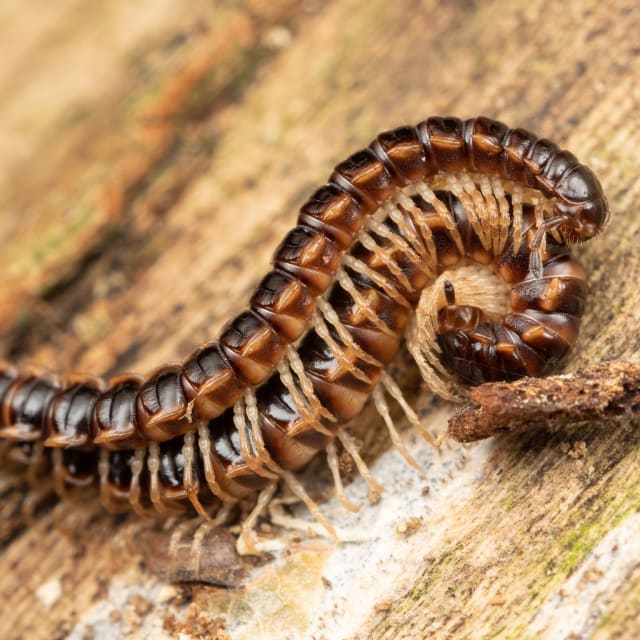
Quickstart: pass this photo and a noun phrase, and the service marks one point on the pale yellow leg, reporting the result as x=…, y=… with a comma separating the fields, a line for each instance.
x=137, y=468
x=248, y=539
x=263, y=456
x=332, y=461
x=328, y=314
x=299, y=491
x=396, y=393
x=204, y=442
x=255, y=459
x=444, y=213
x=191, y=485
x=383, y=409
x=375, y=489
x=388, y=287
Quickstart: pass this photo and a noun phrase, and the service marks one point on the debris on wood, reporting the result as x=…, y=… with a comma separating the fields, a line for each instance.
x=608, y=391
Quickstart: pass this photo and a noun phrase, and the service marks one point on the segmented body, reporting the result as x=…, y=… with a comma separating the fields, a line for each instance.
x=327, y=320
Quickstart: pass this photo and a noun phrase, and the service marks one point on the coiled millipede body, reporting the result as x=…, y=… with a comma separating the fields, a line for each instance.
x=389, y=249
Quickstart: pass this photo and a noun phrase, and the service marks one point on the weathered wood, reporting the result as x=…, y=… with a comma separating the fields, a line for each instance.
x=152, y=159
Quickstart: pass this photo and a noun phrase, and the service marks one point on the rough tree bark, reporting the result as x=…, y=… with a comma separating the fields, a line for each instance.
x=153, y=156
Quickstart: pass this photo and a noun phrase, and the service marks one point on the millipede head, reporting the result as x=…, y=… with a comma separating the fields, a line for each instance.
x=583, y=210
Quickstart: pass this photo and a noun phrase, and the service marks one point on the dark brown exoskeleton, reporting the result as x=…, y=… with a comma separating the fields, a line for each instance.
x=414, y=210
x=542, y=326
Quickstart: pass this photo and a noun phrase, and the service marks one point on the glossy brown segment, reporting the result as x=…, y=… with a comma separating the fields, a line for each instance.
x=285, y=303
x=24, y=407
x=115, y=420
x=210, y=381
x=162, y=405
x=309, y=255
x=70, y=415
x=335, y=213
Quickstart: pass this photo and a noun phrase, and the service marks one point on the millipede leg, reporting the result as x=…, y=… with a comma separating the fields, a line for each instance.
x=484, y=207
x=281, y=518
x=334, y=467
x=319, y=411
x=345, y=281
x=106, y=494
x=222, y=514
x=338, y=353
x=387, y=286
x=396, y=393
x=473, y=204
x=404, y=244
x=255, y=459
x=189, y=483
x=384, y=256
x=415, y=247
x=179, y=532
x=328, y=314
x=299, y=491
x=204, y=443
x=493, y=214
x=418, y=220
x=248, y=539
x=383, y=409
x=188, y=534
x=497, y=190
x=137, y=467
x=58, y=474
x=423, y=347
x=538, y=245
x=262, y=455
x=375, y=489
x=429, y=196
x=517, y=216
x=308, y=405
x=197, y=545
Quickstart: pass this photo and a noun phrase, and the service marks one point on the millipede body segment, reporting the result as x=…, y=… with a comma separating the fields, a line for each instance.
x=400, y=225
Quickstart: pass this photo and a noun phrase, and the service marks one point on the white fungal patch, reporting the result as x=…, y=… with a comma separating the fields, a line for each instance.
x=347, y=580
x=49, y=592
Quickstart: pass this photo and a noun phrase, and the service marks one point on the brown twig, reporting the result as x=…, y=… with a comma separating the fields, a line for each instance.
x=605, y=391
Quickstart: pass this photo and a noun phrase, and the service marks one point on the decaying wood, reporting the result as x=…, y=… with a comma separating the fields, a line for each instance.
x=609, y=391
x=154, y=153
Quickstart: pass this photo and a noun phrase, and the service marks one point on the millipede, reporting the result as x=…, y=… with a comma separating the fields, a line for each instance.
x=453, y=235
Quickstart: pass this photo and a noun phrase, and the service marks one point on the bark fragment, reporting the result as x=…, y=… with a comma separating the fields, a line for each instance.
x=608, y=391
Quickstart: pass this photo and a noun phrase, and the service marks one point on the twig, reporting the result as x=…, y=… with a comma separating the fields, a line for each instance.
x=606, y=391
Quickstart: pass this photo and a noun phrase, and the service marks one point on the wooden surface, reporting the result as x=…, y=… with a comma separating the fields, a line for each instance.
x=151, y=157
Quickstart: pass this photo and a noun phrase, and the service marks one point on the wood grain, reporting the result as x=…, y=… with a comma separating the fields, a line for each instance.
x=151, y=160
